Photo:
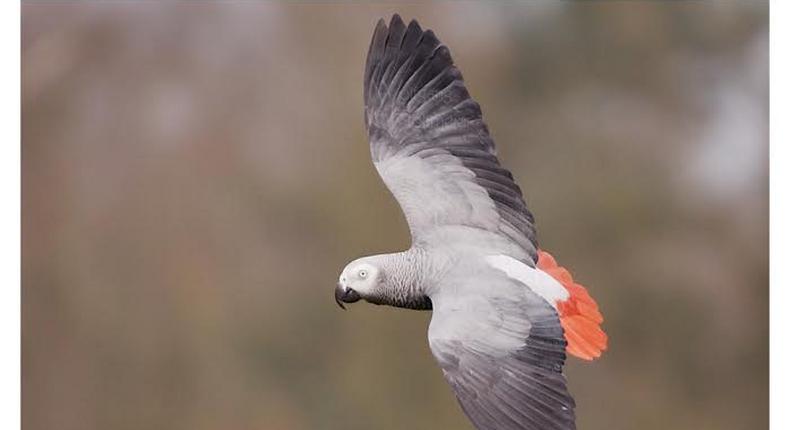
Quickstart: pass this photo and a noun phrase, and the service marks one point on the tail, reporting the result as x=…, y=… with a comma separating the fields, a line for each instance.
x=579, y=315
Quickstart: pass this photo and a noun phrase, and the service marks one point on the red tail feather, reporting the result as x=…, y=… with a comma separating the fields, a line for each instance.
x=579, y=314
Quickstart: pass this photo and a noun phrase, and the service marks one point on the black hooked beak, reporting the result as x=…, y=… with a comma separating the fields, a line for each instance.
x=345, y=295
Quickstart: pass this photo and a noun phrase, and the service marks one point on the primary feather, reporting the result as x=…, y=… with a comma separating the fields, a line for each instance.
x=431, y=147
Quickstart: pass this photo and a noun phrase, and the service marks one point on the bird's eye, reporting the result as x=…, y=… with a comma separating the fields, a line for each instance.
x=363, y=273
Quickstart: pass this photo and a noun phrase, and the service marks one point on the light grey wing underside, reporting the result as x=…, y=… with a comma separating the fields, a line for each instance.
x=502, y=353
x=432, y=149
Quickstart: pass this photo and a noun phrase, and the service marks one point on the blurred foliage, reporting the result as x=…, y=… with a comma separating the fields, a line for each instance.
x=196, y=175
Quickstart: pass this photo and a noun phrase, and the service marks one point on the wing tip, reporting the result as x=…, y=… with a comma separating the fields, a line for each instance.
x=390, y=47
x=396, y=20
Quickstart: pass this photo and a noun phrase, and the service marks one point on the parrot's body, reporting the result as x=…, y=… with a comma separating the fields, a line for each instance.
x=504, y=312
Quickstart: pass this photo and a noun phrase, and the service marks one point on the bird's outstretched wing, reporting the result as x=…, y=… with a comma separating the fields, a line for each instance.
x=432, y=149
x=502, y=353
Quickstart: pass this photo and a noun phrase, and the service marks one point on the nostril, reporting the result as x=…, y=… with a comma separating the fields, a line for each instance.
x=350, y=296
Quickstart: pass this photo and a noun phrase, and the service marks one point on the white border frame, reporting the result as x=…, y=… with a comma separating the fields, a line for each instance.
x=779, y=157
x=10, y=215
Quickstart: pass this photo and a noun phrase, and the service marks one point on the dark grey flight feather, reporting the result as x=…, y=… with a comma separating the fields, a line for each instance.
x=416, y=105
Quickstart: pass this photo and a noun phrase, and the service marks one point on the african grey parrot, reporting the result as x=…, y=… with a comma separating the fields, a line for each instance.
x=504, y=312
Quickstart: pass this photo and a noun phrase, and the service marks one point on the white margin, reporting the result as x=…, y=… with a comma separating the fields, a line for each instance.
x=779, y=214
x=10, y=244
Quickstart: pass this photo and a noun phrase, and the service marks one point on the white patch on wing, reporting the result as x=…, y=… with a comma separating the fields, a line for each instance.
x=535, y=279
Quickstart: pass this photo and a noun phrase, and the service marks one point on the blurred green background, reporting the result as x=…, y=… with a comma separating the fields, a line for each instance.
x=195, y=176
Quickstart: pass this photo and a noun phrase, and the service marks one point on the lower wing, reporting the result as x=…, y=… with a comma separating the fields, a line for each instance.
x=502, y=352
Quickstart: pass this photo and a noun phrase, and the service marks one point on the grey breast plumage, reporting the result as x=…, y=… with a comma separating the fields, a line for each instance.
x=430, y=144
x=499, y=344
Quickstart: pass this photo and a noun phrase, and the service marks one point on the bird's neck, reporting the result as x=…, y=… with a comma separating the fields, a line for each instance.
x=408, y=279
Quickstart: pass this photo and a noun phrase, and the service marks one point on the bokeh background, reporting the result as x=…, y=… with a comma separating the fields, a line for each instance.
x=196, y=175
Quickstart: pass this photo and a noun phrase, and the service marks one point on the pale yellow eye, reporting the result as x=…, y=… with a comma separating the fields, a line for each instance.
x=363, y=273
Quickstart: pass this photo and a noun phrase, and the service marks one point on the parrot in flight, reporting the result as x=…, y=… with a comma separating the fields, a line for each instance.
x=505, y=314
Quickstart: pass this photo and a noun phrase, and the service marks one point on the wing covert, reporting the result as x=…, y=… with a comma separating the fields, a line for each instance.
x=431, y=147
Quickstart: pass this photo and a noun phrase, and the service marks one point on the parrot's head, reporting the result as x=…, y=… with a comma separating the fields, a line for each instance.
x=360, y=279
